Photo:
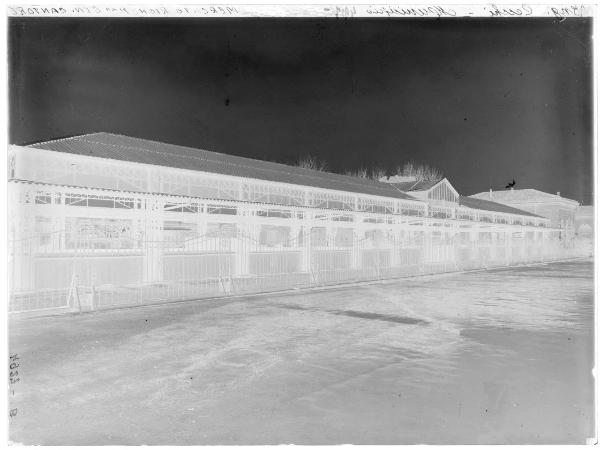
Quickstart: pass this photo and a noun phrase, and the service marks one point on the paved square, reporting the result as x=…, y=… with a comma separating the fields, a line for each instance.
x=472, y=357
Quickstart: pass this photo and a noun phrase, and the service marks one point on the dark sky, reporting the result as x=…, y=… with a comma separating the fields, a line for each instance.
x=484, y=101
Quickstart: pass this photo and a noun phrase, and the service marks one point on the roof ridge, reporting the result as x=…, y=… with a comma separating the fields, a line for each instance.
x=213, y=151
x=63, y=139
x=503, y=192
x=416, y=182
x=348, y=179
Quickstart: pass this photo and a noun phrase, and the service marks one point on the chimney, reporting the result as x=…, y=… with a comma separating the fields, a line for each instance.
x=558, y=193
x=491, y=194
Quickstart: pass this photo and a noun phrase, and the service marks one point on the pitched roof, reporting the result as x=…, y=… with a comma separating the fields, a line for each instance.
x=125, y=148
x=486, y=205
x=521, y=196
x=422, y=185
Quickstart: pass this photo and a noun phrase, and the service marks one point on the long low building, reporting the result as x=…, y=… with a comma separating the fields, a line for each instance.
x=103, y=220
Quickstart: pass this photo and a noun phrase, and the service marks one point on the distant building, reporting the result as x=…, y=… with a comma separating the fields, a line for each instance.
x=584, y=222
x=445, y=201
x=560, y=210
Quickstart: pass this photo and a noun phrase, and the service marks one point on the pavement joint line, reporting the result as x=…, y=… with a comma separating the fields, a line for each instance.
x=312, y=289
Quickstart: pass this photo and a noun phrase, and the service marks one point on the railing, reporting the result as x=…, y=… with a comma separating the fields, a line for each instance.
x=201, y=266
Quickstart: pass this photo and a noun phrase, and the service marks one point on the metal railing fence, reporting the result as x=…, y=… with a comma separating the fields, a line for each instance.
x=86, y=276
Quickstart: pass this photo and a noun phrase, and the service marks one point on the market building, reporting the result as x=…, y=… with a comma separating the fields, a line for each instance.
x=104, y=220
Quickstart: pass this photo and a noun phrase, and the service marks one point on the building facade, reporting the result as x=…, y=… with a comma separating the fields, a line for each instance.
x=561, y=211
x=584, y=222
x=104, y=220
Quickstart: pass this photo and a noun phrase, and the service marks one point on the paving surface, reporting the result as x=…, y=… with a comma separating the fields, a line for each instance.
x=502, y=356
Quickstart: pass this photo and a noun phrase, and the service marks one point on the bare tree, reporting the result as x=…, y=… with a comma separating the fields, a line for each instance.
x=358, y=173
x=410, y=170
x=373, y=174
x=311, y=162
x=377, y=173
x=419, y=171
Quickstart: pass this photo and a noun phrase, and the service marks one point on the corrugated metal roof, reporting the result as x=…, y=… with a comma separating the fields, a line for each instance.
x=408, y=186
x=486, y=205
x=125, y=148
